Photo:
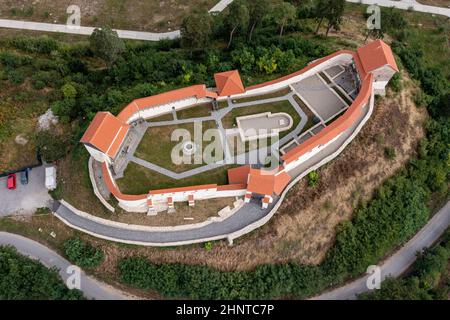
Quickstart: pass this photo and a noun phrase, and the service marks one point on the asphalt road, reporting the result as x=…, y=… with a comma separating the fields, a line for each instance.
x=399, y=262
x=92, y=289
x=25, y=199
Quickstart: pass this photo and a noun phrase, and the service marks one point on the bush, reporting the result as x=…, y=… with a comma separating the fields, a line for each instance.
x=389, y=153
x=22, y=278
x=16, y=76
x=313, y=178
x=83, y=254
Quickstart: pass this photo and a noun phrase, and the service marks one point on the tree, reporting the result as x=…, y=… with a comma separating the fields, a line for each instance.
x=258, y=9
x=319, y=12
x=237, y=17
x=284, y=12
x=106, y=44
x=333, y=13
x=196, y=30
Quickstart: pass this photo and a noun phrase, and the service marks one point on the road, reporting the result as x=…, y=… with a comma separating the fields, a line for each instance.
x=91, y=288
x=399, y=262
x=220, y=6
x=25, y=199
x=396, y=265
x=406, y=5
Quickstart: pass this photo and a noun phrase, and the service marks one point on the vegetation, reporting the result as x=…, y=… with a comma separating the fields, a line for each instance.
x=106, y=44
x=313, y=178
x=428, y=280
x=83, y=254
x=22, y=278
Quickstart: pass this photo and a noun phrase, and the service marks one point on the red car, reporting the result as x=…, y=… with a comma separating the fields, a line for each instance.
x=11, y=181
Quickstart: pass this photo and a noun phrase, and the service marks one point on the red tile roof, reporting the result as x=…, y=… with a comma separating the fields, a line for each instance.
x=229, y=83
x=376, y=55
x=238, y=175
x=340, y=125
x=105, y=133
x=267, y=182
x=236, y=186
x=198, y=91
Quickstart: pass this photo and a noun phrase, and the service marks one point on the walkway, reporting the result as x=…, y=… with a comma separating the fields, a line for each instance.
x=406, y=5
x=229, y=157
x=398, y=263
x=92, y=289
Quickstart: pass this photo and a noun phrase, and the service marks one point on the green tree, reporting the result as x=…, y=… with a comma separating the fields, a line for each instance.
x=319, y=11
x=106, y=44
x=196, y=30
x=237, y=17
x=284, y=12
x=333, y=13
x=83, y=254
x=258, y=10
x=51, y=145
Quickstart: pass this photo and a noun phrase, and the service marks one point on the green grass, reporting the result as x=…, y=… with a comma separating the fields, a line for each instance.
x=275, y=94
x=139, y=180
x=202, y=110
x=164, y=117
x=156, y=145
x=281, y=106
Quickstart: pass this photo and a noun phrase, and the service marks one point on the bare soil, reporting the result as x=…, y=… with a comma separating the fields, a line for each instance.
x=149, y=15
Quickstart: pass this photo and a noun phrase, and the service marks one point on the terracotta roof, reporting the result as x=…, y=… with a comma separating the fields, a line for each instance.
x=337, y=127
x=281, y=181
x=105, y=133
x=229, y=83
x=238, y=175
x=198, y=91
x=376, y=55
x=260, y=182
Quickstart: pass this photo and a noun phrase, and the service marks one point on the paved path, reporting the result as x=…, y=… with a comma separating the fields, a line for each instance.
x=405, y=5
x=229, y=157
x=91, y=288
x=398, y=263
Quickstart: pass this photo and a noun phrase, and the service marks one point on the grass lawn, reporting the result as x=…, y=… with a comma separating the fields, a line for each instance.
x=310, y=122
x=156, y=145
x=201, y=110
x=139, y=180
x=229, y=121
x=164, y=117
x=275, y=94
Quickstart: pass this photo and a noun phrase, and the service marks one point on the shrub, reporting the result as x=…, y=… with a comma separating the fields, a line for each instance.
x=22, y=278
x=389, y=152
x=313, y=178
x=83, y=254
x=16, y=76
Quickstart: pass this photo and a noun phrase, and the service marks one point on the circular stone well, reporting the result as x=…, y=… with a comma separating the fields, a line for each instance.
x=189, y=148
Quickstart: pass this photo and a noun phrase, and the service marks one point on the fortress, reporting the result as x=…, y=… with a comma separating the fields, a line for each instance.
x=337, y=89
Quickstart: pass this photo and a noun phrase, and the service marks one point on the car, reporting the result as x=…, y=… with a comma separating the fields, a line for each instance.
x=24, y=176
x=11, y=182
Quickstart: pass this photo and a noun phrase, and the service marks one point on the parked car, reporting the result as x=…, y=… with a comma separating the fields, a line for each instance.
x=11, y=182
x=24, y=176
